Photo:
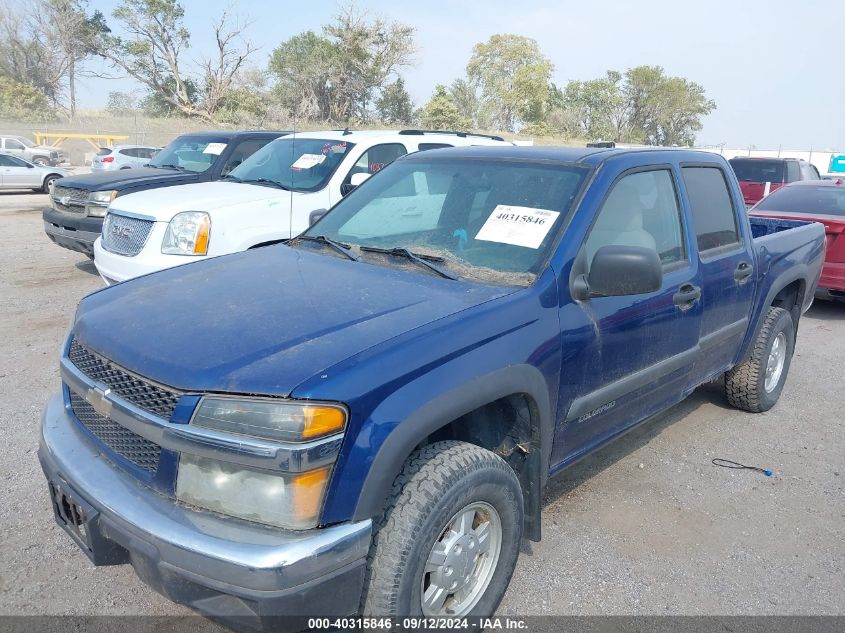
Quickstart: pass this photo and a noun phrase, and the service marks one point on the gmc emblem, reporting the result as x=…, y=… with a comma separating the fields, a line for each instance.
x=120, y=231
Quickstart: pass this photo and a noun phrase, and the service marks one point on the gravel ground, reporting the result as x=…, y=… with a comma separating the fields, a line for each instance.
x=647, y=526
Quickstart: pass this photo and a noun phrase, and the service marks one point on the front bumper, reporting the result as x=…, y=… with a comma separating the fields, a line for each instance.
x=239, y=572
x=73, y=231
x=114, y=268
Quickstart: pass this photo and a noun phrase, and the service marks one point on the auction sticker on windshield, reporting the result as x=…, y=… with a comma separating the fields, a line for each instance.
x=307, y=161
x=214, y=148
x=520, y=226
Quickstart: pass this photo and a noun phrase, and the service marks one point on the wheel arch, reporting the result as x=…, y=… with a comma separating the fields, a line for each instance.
x=789, y=292
x=448, y=407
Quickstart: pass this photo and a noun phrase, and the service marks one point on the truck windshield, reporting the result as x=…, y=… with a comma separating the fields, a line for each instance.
x=190, y=153
x=756, y=170
x=299, y=164
x=490, y=220
x=824, y=200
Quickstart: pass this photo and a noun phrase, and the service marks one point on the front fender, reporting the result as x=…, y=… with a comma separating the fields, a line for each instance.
x=443, y=408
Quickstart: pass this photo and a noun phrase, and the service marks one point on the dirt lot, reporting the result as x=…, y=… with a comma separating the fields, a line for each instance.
x=647, y=526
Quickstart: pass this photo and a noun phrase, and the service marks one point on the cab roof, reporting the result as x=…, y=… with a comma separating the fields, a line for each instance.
x=590, y=156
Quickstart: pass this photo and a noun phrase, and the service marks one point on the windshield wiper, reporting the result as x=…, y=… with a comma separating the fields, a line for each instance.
x=422, y=260
x=340, y=247
x=176, y=167
x=266, y=182
x=231, y=177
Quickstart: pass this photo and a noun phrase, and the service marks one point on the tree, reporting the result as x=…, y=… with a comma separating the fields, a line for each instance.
x=394, y=105
x=464, y=97
x=513, y=77
x=336, y=76
x=24, y=59
x=441, y=113
x=23, y=102
x=122, y=103
x=641, y=106
x=46, y=46
x=67, y=24
x=664, y=110
x=304, y=67
x=152, y=54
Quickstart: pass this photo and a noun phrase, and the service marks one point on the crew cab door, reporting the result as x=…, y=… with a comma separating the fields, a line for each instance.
x=627, y=357
x=726, y=261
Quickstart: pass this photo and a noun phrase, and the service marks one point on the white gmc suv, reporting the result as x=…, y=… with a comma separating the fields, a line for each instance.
x=273, y=195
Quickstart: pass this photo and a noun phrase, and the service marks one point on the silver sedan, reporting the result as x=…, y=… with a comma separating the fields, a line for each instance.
x=17, y=173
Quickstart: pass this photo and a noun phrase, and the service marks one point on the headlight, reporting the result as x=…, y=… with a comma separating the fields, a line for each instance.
x=269, y=419
x=98, y=202
x=187, y=234
x=286, y=500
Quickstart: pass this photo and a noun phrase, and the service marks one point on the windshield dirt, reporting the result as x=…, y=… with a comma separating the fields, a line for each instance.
x=489, y=220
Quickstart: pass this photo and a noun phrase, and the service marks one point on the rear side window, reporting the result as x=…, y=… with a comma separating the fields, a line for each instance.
x=130, y=151
x=758, y=170
x=792, y=172
x=809, y=172
x=712, y=210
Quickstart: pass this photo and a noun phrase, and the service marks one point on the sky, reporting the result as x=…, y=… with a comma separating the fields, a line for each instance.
x=773, y=67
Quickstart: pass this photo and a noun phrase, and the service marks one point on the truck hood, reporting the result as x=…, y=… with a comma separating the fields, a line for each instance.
x=129, y=178
x=164, y=203
x=263, y=321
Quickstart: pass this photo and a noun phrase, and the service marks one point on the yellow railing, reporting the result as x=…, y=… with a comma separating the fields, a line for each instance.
x=95, y=140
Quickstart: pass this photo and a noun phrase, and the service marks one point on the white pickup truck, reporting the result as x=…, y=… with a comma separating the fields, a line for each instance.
x=273, y=195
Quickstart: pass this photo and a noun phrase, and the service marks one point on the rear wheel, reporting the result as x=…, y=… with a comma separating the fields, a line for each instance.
x=756, y=384
x=448, y=542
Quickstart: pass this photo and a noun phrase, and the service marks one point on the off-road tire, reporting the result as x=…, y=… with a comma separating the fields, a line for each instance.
x=745, y=383
x=437, y=481
x=41, y=162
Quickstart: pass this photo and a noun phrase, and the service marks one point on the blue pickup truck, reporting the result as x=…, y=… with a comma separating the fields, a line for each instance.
x=362, y=420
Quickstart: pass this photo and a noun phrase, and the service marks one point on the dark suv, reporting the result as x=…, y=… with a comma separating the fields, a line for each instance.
x=79, y=203
x=758, y=177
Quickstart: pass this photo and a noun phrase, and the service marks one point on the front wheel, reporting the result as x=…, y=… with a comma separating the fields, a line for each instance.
x=41, y=162
x=755, y=385
x=448, y=542
x=48, y=183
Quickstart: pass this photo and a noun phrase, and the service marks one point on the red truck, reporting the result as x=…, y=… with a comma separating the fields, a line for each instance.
x=822, y=202
x=760, y=176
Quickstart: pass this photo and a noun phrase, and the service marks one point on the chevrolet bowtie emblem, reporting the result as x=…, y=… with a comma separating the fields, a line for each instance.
x=97, y=399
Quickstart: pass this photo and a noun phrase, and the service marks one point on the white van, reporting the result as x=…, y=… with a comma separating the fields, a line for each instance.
x=273, y=195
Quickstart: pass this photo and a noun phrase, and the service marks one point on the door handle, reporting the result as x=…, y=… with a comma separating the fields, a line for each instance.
x=743, y=272
x=686, y=296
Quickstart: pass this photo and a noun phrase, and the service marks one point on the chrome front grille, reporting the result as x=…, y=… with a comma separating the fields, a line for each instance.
x=125, y=235
x=129, y=445
x=150, y=397
x=69, y=199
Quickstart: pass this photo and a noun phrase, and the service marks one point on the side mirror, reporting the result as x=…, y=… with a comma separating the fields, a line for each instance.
x=354, y=181
x=315, y=215
x=621, y=271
